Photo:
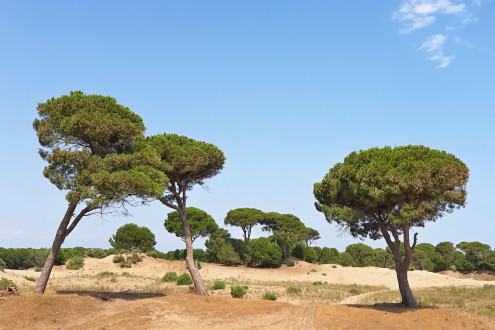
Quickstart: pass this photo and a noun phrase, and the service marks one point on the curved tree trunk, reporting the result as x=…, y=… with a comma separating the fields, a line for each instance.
x=196, y=277
x=405, y=291
x=57, y=243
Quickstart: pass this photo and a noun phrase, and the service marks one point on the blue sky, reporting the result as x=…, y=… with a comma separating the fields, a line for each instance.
x=285, y=88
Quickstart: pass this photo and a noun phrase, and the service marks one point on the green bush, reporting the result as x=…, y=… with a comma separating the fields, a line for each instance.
x=298, y=251
x=228, y=256
x=264, y=252
x=219, y=285
x=238, y=291
x=292, y=289
x=125, y=274
x=153, y=254
x=135, y=258
x=131, y=237
x=290, y=263
x=313, y=270
x=197, y=263
x=4, y=283
x=29, y=278
x=118, y=259
x=113, y=280
x=3, y=265
x=269, y=296
x=170, y=277
x=75, y=263
x=317, y=283
x=96, y=253
x=309, y=254
x=184, y=279
x=105, y=274
x=77, y=251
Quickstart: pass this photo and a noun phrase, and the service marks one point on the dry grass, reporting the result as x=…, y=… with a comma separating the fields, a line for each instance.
x=479, y=300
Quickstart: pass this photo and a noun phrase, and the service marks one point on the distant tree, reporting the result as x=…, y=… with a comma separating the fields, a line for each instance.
x=346, y=259
x=201, y=223
x=298, y=250
x=246, y=219
x=361, y=253
x=310, y=254
x=90, y=145
x=264, y=252
x=186, y=163
x=384, y=192
x=285, y=227
x=131, y=237
x=228, y=256
x=476, y=253
x=382, y=258
x=329, y=256
x=447, y=251
x=311, y=236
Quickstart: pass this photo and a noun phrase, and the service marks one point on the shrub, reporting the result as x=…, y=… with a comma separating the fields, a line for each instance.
x=292, y=289
x=298, y=251
x=309, y=254
x=264, y=252
x=113, y=279
x=317, y=283
x=105, y=274
x=125, y=274
x=170, y=277
x=290, y=263
x=228, y=256
x=75, y=263
x=269, y=296
x=29, y=278
x=3, y=265
x=313, y=270
x=4, y=283
x=131, y=237
x=153, y=254
x=77, y=251
x=38, y=270
x=96, y=253
x=197, y=263
x=238, y=291
x=324, y=274
x=184, y=279
x=135, y=258
x=219, y=285
x=118, y=259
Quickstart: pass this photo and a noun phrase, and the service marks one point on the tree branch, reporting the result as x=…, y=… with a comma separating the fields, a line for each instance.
x=77, y=219
x=415, y=241
x=164, y=202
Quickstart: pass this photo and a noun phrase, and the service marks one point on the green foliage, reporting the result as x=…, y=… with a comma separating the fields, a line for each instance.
x=313, y=270
x=29, y=278
x=264, y=252
x=228, y=256
x=119, y=259
x=311, y=235
x=77, y=251
x=38, y=270
x=218, y=285
x=131, y=237
x=170, y=277
x=269, y=296
x=246, y=219
x=298, y=251
x=292, y=289
x=477, y=254
x=184, y=279
x=290, y=262
x=96, y=253
x=382, y=258
x=238, y=291
x=201, y=224
x=317, y=283
x=5, y=283
x=447, y=251
x=75, y=263
x=310, y=254
x=213, y=247
x=346, y=259
x=362, y=254
x=3, y=265
x=125, y=274
x=285, y=227
x=105, y=274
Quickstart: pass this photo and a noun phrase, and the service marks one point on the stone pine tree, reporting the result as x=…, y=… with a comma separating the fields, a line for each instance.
x=385, y=192
x=246, y=218
x=186, y=163
x=311, y=236
x=93, y=150
x=201, y=224
x=285, y=227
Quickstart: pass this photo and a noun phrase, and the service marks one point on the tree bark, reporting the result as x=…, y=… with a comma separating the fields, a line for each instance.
x=196, y=277
x=285, y=250
x=401, y=268
x=57, y=243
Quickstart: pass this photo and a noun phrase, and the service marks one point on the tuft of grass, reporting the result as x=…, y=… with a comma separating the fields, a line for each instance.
x=317, y=283
x=125, y=274
x=292, y=289
x=334, y=266
x=113, y=280
x=238, y=291
x=313, y=270
x=324, y=274
x=269, y=296
x=32, y=279
x=105, y=274
x=218, y=285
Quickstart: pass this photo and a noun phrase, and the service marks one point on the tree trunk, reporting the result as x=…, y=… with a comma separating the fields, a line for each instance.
x=196, y=277
x=57, y=243
x=285, y=251
x=405, y=291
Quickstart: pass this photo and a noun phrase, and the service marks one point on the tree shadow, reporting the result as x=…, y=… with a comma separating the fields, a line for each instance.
x=393, y=308
x=110, y=296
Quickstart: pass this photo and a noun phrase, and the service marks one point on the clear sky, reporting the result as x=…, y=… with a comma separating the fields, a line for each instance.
x=285, y=88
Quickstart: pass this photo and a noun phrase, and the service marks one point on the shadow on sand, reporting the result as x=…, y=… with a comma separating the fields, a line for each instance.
x=393, y=308
x=109, y=296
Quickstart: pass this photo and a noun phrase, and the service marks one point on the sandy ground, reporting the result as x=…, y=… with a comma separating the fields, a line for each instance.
x=83, y=300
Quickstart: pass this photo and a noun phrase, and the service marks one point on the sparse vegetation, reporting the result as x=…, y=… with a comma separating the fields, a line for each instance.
x=29, y=278
x=218, y=285
x=269, y=296
x=75, y=263
x=4, y=283
x=290, y=263
x=313, y=270
x=125, y=274
x=238, y=291
x=317, y=283
x=292, y=289
x=170, y=277
x=184, y=279
x=105, y=274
